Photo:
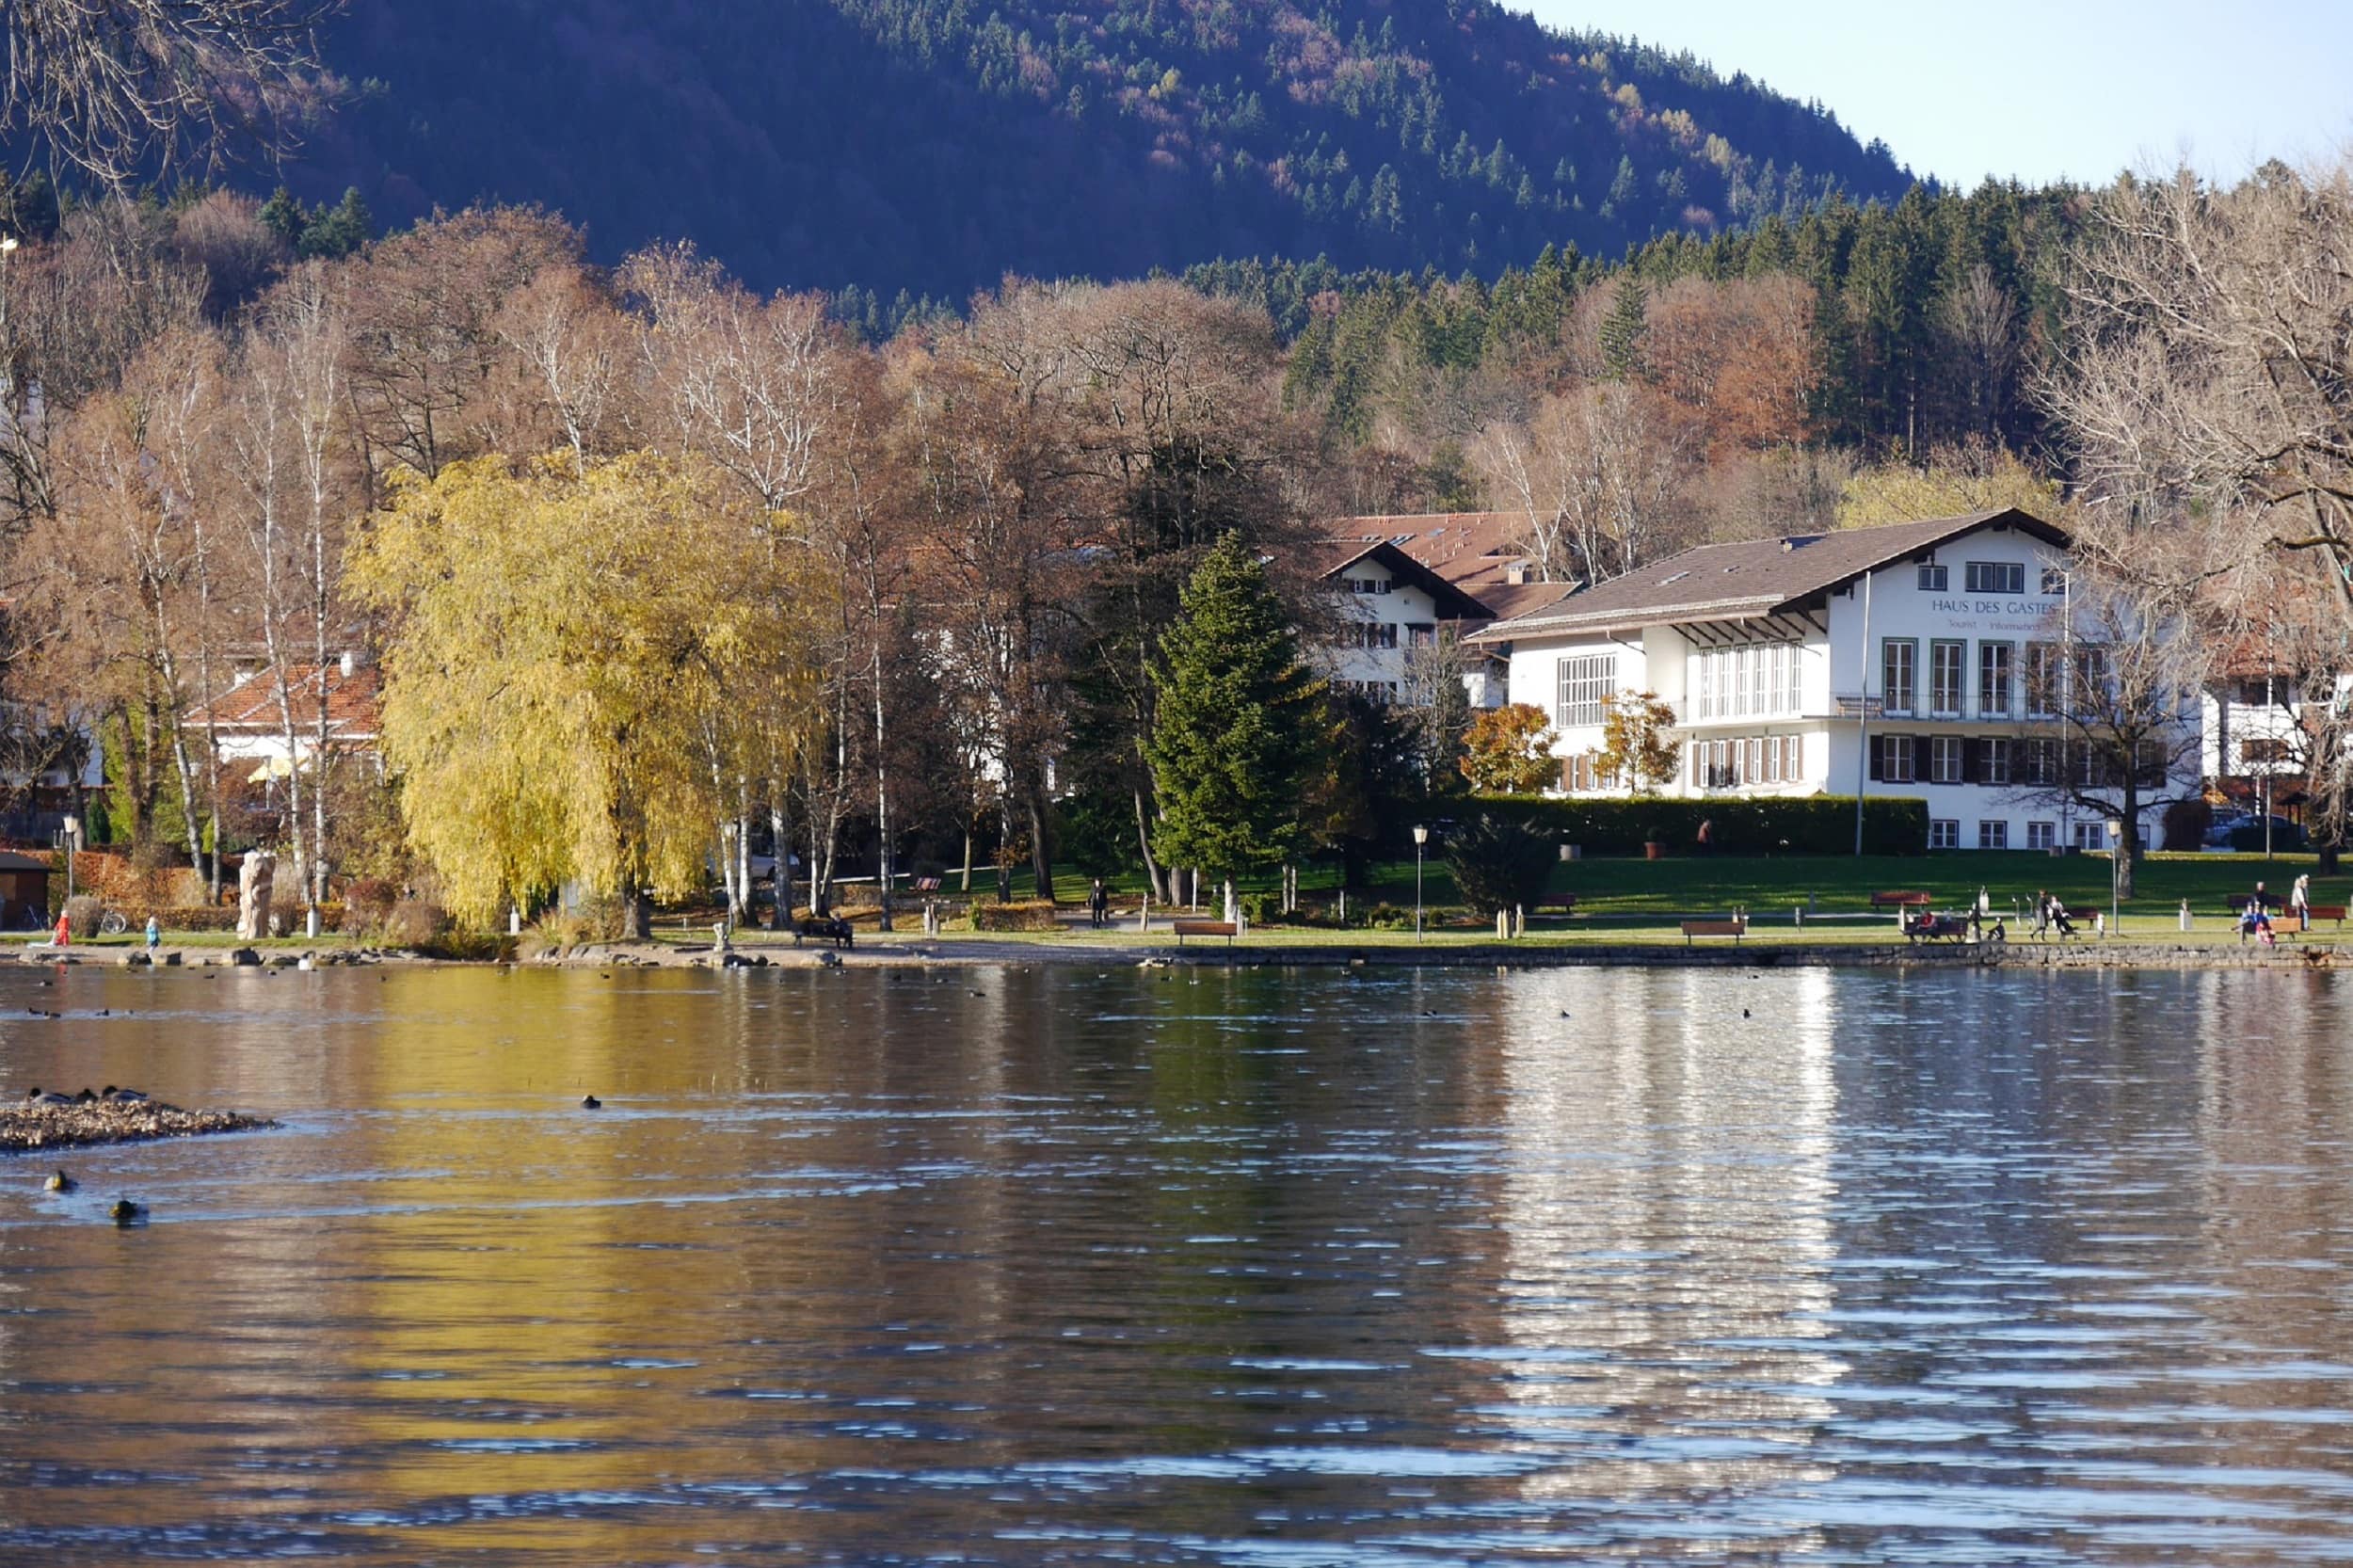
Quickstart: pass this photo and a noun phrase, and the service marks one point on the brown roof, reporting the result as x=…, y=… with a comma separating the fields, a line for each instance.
x=1326, y=557
x=1751, y=578
x=1470, y=548
x=251, y=704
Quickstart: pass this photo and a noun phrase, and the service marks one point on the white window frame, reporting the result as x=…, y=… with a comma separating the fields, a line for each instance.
x=1944, y=833
x=1993, y=833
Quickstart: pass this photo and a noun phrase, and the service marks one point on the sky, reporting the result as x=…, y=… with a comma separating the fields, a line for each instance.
x=2059, y=88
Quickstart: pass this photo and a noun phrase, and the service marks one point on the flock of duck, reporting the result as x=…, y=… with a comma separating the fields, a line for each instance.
x=122, y=1211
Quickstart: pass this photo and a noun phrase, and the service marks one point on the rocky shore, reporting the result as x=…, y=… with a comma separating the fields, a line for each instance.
x=24, y=1127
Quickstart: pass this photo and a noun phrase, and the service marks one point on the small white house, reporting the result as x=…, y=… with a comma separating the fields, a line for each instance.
x=1918, y=659
x=1392, y=604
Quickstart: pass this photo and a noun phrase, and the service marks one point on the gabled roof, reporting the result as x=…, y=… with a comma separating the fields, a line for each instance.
x=1333, y=556
x=1753, y=578
x=1472, y=549
x=251, y=704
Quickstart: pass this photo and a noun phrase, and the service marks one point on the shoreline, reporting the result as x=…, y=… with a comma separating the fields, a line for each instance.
x=1259, y=952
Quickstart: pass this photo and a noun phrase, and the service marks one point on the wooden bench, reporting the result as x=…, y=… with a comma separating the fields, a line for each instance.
x=1565, y=903
x=1905, y=898
x=1734, y=929
x=2334, y=913
x=1203, y=928
x=1936, y=928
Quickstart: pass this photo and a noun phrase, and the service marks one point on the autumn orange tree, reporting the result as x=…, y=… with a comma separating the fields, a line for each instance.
x=1509, y=751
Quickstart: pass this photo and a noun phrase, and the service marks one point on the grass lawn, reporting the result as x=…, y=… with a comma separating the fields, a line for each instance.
x=1768, y=887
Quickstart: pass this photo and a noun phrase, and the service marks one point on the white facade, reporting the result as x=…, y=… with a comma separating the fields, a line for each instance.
x=1926, y=675
x=1382, y=619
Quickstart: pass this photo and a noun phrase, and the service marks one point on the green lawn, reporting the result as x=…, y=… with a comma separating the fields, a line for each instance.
x=1768, y=887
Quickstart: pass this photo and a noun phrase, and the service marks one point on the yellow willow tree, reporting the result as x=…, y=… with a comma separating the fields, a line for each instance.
x=568, y=645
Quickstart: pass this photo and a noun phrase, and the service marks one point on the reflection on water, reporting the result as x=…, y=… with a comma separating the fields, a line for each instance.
x=1254, y=1267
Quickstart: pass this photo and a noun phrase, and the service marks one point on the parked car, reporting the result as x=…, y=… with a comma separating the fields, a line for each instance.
x=2248, y=837
x=2219, y=831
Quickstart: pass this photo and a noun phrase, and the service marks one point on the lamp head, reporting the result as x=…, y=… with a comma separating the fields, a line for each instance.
x=1421, y=834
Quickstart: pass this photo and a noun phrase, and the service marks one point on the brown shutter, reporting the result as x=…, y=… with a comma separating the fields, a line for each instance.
x=1970, y=765
x=1877, y=760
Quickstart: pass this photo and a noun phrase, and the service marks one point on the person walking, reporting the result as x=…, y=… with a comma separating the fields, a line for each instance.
x=155, y=934
x=2300, y=897
x=65, y=931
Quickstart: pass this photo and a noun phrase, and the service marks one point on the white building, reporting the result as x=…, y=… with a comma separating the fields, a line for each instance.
x=1920, y=659
x=1393, y=605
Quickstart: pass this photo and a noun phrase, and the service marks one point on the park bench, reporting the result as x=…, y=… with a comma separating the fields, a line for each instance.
x=1203, y=928
x=1564, y=903
x=1900, y=898
x=825, y=928
x=1925, y=927
x=1735, y=929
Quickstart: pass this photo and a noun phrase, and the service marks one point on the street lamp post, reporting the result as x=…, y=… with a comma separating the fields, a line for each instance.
x=1421, y=837
x=72, y=835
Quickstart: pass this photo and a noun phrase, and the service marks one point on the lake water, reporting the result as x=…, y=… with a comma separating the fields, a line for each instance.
x=1260, y=1268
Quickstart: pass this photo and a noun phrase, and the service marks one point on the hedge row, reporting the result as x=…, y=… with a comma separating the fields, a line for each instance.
x=1806, y=824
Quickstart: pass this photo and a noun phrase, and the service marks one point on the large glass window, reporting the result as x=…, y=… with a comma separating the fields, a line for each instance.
x=1899, y=675
x=1945, y=764
x=1996, y=668
x=1993, y=760
x=1947, y=663
x=2040, y=762
x=1586, y=680
x=1749, y=680
x=1897, y=759
x=1996, y=577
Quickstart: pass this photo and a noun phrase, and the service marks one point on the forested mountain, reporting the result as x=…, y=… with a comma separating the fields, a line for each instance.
x=936, y=145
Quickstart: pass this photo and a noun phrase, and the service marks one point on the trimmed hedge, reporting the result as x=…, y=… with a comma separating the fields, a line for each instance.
x=1804, y=825
x=1036, y=915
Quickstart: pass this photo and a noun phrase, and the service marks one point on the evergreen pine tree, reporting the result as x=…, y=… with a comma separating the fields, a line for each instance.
x=282, y=215
x=1622, y=330
x=1238, y=728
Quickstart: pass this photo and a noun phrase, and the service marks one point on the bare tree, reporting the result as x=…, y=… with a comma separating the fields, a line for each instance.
x=1598, y=474
x=2205, y=359
x=2125, y=670
x=126, y=88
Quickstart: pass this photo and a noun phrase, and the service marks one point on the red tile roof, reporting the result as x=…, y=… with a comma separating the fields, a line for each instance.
x=251, y=704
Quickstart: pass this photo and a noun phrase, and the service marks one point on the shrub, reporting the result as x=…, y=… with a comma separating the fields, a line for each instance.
x=1498, y=863
x=1263, y=909
x=1036, y=915
x=1806, y=824
x=414, y=923
x=1388, y=917
x=472, y=946
x=81, y=914
x=370, y=900
x=2185, y=824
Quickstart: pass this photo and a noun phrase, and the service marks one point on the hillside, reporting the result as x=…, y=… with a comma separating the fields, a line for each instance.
x=934, y=145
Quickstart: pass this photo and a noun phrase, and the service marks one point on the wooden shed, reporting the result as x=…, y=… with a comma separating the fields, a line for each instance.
x=23, y=891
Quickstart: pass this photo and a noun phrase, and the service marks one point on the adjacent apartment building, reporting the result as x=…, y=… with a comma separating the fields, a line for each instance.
x=1924, y=659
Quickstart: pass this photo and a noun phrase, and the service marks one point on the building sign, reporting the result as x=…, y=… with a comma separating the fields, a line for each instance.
x=1997, y=615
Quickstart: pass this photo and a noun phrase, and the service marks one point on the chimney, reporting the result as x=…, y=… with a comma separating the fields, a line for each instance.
x=1517, y=573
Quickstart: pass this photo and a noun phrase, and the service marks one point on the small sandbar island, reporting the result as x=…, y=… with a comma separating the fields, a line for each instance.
x=48, y=1120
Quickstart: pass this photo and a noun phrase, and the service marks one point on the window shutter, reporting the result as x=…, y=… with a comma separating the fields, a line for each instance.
x=1971, y=765
x=1877, y=760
